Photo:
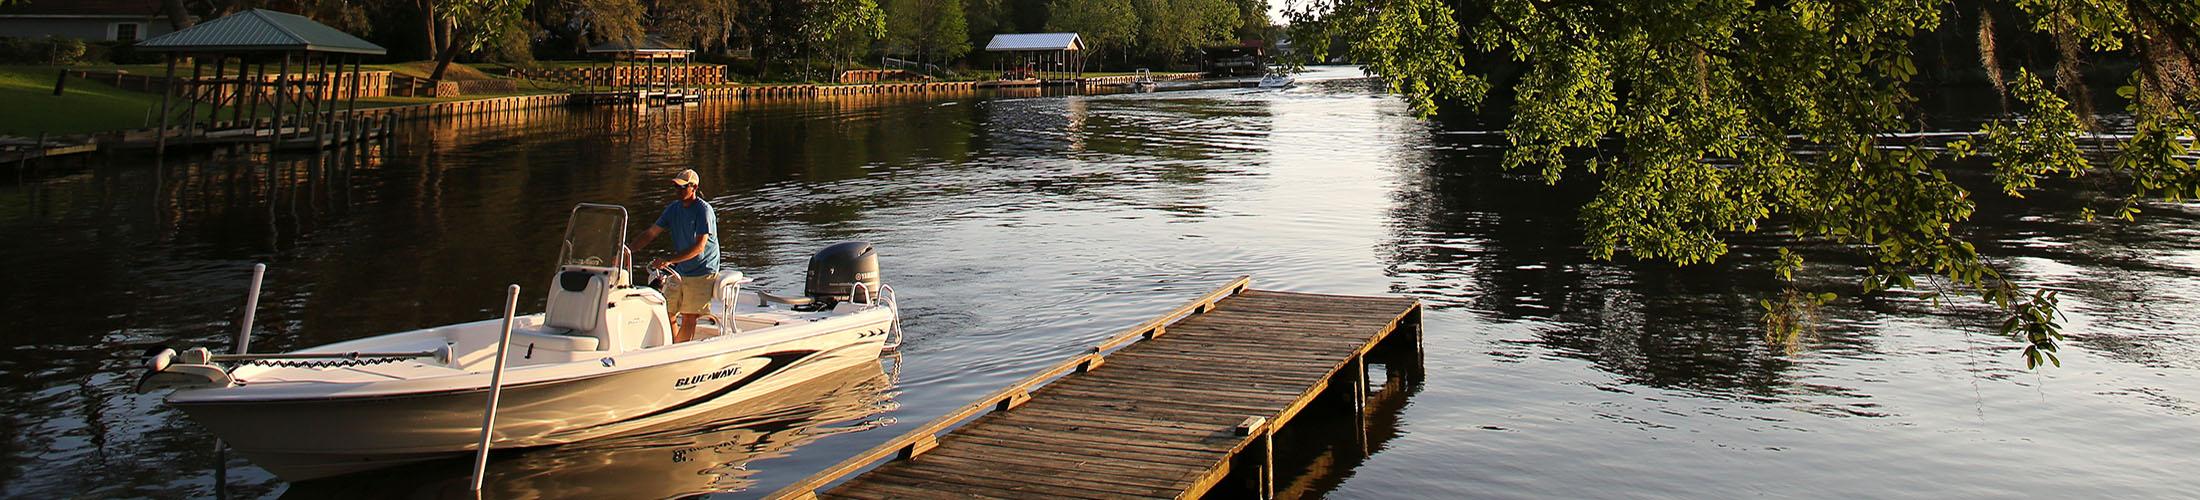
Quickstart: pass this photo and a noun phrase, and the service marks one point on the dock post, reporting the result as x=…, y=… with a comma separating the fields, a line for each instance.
x=1359, y=404
x=168, y=89
x=1257, y=464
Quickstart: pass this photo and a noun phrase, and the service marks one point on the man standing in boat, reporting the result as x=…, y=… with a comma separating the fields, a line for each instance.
x=694, y=229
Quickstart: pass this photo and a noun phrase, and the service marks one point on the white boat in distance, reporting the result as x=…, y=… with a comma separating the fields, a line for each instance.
x=600, y=361
x=1277, y=80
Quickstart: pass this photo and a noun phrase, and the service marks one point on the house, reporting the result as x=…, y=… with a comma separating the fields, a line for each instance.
x=89, y=20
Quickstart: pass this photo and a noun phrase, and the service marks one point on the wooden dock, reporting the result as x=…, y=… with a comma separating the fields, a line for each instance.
x=1176, y=407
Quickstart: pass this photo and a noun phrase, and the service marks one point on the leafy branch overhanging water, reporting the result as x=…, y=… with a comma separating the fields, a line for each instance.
x=1704, y=119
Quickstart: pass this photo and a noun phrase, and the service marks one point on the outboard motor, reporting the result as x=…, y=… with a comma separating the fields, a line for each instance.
x=835, y=271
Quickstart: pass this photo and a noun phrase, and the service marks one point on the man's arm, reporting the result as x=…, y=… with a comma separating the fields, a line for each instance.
x=642, y=242
x=692, y=250
x=647, y=236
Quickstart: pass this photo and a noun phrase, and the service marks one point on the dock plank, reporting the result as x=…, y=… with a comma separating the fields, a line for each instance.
x=1154, y=412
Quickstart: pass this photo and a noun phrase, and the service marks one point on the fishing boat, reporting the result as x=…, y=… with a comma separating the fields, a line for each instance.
x=601, y=360
x=1144, y=81
x=706, y=454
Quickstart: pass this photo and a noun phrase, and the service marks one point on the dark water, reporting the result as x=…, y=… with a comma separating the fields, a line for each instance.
x=1019, y=230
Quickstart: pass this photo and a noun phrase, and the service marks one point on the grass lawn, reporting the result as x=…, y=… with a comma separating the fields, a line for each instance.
x=26, y=92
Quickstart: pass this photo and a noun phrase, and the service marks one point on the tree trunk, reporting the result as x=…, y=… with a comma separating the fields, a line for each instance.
x=443, y=59
x=178, y=18
x=428, y=42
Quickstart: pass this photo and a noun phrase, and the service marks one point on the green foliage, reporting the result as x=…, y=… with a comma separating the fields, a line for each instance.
x=590, y=22
x=52, y=51
x=697, y=23
x=1107, y=26
x=1173, y=28
x=482, y=23
x=1700, y=120
x=844, y=27
x=1415, y=43
x=1253, y=22
x=1793, y=318
x=930, y=30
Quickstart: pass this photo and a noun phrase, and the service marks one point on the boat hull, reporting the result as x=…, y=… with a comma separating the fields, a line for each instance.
x=306, y=438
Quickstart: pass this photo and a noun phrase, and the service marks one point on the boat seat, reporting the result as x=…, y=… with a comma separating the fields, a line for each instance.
x=577, y=299
x=550, y=345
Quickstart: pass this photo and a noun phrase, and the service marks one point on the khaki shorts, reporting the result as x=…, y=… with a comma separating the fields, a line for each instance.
x=691, y=294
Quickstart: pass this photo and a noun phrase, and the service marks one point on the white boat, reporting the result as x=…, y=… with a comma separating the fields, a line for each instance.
x=1277, y=80
x=600, y=361
x=1144, y=81
x=707, y=454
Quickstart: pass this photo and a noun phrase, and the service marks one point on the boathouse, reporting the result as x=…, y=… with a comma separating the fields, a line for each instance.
x=649, y=69
x=231, y=97
x=1039, y=57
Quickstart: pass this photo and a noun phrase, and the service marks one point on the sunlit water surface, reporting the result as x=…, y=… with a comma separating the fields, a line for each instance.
x=1020, y=229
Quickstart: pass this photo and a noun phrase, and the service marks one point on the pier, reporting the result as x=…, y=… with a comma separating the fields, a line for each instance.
x=1176, y=407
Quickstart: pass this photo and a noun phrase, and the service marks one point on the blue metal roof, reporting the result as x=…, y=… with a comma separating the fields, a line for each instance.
x=1035, y=41
x=261, y=30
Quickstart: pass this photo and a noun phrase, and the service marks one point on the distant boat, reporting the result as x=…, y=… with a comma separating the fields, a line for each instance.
x=1144, y=81
x=1277, y=81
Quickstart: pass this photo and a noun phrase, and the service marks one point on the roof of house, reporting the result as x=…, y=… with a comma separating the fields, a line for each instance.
x=650, y=43
x=83, y=8
x=262, y=30
x=1035, y=41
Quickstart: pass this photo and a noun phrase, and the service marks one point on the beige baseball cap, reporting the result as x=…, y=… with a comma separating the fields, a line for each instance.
x=687, y=178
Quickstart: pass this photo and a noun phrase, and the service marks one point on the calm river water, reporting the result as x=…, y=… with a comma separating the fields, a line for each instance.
x=1020, y=229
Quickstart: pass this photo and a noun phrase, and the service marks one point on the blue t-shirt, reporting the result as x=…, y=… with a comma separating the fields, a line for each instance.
x=683, y=221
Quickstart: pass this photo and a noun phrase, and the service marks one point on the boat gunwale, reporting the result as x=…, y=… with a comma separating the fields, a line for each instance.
x=650, y=358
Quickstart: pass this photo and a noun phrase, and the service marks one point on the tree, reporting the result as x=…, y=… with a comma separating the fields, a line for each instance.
x=1173, y=28
x=1253, y=21
x=588, y=22
x=700, y=23
x=930, y=30
x=475, y=24
x=985, y=18
x=178, y=17
x=1699, y=121
x=1106, y=25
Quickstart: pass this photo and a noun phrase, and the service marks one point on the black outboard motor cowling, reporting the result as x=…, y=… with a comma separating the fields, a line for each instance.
x=835, y=270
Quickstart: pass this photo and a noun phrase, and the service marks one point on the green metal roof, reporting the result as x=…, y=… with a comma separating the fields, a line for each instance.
x=259, y=30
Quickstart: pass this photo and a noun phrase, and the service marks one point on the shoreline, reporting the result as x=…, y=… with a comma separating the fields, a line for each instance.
x=59, y=146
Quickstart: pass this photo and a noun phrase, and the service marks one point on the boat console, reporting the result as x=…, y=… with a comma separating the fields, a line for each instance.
x=592, y=295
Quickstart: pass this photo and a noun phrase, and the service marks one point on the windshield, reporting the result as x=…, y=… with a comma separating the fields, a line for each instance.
x=595, y=236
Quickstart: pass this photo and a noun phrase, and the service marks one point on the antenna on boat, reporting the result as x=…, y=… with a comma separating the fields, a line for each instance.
x=251, y=308
x=496, y=388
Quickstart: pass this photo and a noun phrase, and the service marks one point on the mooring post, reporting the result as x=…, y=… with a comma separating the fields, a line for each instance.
x=1259, y=457
x=496, y=388
x=168, y=90
x=1359, y=403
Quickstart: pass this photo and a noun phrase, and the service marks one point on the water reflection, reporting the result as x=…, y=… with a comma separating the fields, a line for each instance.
x=706, y=454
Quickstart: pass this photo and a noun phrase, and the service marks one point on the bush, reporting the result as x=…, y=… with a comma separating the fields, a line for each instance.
x=127, y=53
x=43, y=51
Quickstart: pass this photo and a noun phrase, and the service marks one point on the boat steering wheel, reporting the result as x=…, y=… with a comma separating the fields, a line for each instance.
x=659, y=278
